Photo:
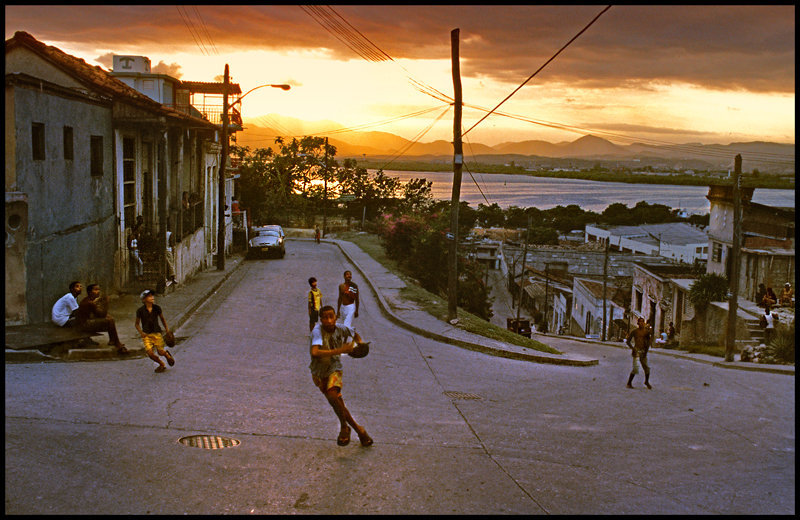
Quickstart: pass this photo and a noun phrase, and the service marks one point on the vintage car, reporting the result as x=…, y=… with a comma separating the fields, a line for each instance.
x=266, y=241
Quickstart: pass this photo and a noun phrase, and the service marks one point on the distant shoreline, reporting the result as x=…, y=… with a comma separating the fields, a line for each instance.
x=763, y=181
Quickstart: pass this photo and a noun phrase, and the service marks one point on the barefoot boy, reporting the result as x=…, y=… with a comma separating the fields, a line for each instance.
x=328, y=342
x=147, y=324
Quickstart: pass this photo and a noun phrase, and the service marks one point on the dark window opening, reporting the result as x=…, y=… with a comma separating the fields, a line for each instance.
x=97, y=155
x=37, y=141
x=68, y=146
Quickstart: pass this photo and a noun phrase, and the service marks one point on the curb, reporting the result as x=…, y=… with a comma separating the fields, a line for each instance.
x=752, y=367
x=536, y=358
x=109, y=354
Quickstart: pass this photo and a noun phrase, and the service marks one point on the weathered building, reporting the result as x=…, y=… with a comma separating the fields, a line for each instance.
x=659, y=294
x=85, y=155
x=678, y=241
x=768, y=241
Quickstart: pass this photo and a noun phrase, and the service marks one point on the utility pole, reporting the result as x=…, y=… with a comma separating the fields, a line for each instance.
x=222, y=168
x=325, y=201
x=546, y=296
x=522, y=280
x=458, y=160
x=733, y=301
x=605, y=274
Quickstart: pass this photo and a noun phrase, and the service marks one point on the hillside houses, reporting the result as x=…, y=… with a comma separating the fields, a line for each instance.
x=86, y=154
x=676, y=240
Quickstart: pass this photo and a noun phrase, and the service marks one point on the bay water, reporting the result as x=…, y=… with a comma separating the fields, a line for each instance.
x=546, y=192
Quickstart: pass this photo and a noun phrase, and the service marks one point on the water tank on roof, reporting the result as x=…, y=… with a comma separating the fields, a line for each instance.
x=132, y=64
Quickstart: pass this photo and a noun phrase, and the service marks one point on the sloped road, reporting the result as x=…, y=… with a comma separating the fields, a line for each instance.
x=455, y=431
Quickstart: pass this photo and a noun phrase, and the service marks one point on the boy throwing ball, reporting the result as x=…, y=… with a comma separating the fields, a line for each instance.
x=328, y=342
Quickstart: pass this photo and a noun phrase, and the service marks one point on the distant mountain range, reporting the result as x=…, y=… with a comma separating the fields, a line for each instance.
x=767, y=157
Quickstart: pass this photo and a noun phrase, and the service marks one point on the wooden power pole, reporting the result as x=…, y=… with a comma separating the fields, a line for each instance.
x=733, y=300
x=223, y=166
x=605, y=278
x=458, y=160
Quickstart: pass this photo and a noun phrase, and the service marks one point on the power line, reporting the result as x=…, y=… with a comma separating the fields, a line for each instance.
x=540, y=68
x=190, y=26
x=205, y=30
x=417, y=138
x=363, y=46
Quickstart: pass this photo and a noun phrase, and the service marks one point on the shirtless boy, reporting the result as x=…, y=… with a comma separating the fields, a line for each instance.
x=641, y=344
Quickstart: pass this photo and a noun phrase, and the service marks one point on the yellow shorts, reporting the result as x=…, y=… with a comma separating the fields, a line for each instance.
x=154, y=340
x=326, y=383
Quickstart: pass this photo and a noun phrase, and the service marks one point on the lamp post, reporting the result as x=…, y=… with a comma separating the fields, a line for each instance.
x=224, y=162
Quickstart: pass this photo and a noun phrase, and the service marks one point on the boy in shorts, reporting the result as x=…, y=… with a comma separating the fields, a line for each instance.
x=314, y=303
x=147, y=324
x=328, y=342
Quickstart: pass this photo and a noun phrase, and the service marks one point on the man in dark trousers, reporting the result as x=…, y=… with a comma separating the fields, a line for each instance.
x=92, y=316
x=641, y=337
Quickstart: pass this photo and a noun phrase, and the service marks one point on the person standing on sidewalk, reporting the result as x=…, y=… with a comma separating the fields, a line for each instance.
x=328, y=342
x=92, y=316
x=147, y=317
x=314, y=303
x=641, y=344
x=316, y=233
x=347, y=305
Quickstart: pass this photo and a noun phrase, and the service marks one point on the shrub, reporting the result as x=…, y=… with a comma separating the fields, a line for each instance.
x=780, y=349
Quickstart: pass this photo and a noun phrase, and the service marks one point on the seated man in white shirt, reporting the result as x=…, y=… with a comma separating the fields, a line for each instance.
x=662, y=339
x=63, y=313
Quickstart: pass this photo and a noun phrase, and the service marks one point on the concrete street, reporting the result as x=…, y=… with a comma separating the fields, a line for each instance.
x=456, y=431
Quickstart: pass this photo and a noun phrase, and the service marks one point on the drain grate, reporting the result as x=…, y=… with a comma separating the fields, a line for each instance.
x=208, y=442
x=462, y=395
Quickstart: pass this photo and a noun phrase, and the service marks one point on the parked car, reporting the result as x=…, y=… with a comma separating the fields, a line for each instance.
x=266, y=242
x=270, y=227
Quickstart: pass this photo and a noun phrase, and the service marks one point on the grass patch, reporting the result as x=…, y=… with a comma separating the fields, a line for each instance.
x=435, y=305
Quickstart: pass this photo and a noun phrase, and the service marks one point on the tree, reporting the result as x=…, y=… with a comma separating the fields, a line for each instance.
x=490, y=216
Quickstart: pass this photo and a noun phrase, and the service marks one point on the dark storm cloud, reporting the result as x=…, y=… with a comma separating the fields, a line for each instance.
x=718, y=47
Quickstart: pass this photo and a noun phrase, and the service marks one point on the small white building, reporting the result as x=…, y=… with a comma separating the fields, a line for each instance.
x=587, y=307
x=679, y=241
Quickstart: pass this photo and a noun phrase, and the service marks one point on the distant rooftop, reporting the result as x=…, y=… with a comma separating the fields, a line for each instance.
x=678, y=233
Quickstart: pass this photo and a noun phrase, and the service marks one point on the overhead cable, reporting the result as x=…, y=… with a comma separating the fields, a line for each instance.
x=540, y=68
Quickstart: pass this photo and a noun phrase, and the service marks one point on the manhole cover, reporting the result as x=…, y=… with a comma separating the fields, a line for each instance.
x=208, y=442
x=462, y=395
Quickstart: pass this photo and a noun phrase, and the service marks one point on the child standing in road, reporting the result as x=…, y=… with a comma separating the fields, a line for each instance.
x=314, y=303
x=328, y=342
x=641, y=336
x=147, y=317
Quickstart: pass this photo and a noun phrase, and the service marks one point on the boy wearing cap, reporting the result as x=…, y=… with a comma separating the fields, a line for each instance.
x=147, y=324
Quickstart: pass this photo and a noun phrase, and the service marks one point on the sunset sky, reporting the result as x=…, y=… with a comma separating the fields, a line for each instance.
x=708, y=74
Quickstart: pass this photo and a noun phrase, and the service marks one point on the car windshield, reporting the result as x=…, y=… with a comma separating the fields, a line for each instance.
x=268, y=233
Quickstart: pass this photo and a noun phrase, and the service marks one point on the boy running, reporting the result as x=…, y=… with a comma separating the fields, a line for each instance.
x=328, y=342
x=147, y=324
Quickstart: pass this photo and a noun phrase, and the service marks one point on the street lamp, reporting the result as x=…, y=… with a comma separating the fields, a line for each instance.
x=224, y=161
x=282, y=87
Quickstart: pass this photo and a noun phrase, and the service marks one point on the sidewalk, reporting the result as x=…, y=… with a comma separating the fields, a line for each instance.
x=179, y=304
